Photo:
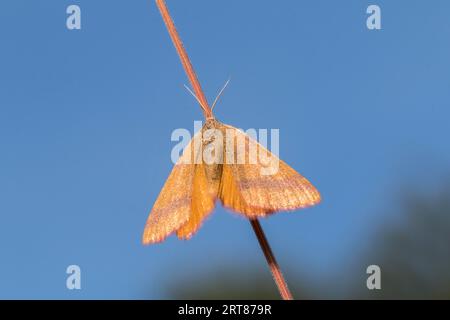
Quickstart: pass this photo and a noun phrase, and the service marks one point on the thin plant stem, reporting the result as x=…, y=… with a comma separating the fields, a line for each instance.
x=188, y=68
x=273, y=264
x=187, y=65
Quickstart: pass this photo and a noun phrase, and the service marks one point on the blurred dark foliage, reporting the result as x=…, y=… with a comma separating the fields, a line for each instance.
x=412, y=251
x=228, y=283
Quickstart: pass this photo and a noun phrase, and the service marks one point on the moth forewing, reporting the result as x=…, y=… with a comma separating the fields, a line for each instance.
x=263, y=193
x=202, y=203
x=172, y=209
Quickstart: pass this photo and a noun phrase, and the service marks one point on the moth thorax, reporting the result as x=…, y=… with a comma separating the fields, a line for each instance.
x=210, y=123
x=213, y=172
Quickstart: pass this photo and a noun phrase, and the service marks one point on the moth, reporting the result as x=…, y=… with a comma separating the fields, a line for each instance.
x=222, y=163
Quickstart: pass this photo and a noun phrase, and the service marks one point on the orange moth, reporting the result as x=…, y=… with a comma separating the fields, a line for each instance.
x=235, y=174
x=222, y=163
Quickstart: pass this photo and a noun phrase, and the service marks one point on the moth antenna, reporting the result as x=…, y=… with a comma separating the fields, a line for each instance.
x=196, y=98
x=220, y=93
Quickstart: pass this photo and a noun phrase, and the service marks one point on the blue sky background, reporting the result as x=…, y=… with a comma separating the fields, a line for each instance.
x=86, y=118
